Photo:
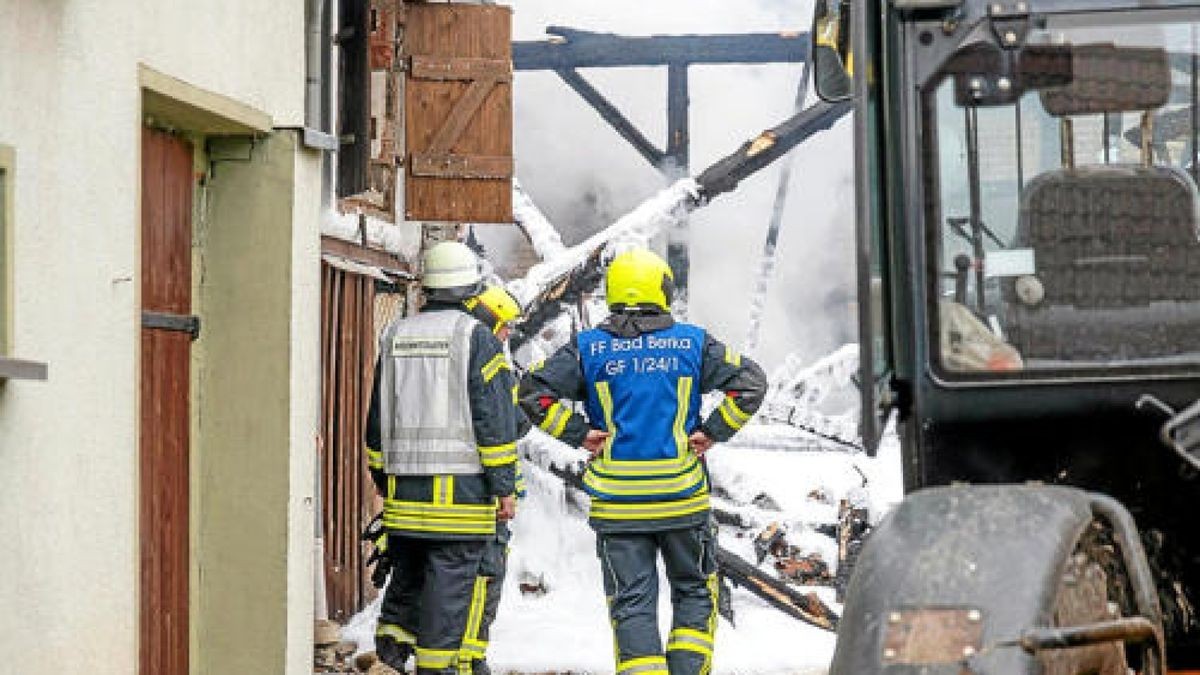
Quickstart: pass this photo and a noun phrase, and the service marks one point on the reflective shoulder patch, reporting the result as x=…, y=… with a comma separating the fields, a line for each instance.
x=413, y=347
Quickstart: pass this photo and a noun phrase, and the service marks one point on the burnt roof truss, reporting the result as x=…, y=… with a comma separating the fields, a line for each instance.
x=569, y=49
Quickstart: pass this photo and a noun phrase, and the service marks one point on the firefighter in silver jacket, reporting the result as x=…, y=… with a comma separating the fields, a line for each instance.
x=441, y=444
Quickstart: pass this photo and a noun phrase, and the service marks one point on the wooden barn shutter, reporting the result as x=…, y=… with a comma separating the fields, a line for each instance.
x=458, y=113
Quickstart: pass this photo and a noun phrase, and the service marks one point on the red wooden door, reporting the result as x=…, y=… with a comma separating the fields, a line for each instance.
x=166, y=273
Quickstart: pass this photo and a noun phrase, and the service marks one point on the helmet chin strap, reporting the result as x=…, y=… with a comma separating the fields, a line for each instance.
x=456, y=294
x=638, y=309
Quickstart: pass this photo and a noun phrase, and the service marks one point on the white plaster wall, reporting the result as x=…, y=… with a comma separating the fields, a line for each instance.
x=306, y=402
x=70, y=106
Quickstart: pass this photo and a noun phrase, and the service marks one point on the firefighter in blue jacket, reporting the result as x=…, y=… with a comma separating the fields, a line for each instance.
x=640, y=376
x=441, y=446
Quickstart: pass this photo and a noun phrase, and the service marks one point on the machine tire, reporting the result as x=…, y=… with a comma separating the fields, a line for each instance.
x=1012, y=557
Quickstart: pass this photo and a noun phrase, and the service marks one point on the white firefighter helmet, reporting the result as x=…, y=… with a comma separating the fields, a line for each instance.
x=452, y=271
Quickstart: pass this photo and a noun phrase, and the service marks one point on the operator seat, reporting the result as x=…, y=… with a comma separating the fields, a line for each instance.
x=1116, y=247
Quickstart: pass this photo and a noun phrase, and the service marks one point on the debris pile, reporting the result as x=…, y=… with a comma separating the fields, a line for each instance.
x=332, y=654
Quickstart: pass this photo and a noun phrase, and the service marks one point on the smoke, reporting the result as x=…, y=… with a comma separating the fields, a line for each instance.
x=584, y=176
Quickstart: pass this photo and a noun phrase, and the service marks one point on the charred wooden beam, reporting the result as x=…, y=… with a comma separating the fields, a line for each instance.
x=678, y=163
x=854, y=524
x=571, y=48
x=615, y=119
x=770, y=145
x=805, y=607
x=678, y=134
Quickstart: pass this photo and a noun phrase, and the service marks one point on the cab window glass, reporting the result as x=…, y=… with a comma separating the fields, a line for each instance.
x=1061, y=241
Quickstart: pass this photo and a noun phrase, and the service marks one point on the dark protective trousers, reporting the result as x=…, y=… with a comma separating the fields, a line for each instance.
x=628, y=562
x=429, y=597
x=492, y=569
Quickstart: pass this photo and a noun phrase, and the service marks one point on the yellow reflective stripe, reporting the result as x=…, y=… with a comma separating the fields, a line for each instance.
x=648, y=487
x=729, y=420
x=435, y=659
x=683, y=392
x=505, y=461
x=688, y=646
x=447, y=518
x=606, y=404
x=516, y=398
x=396, y=633
x=699, y=636
x=714, y=594
x=732, y=358
x=562, y=423
x=443, y=490
x=496, y=371
x=443, y=526
x=374, y=458
x=425, y=509
x=474, y=625
x=643, y=665
x=538, y=365
x=493, y=363
x=605, y=510
x=732, y=423
x=556, y=419
x=493, y=367
x=551, y=415
x=475, y=616
x=734, y=410
x=391, y=490
x=477, y=649
x=498, y=455
x=690, y=639
x=641, y=468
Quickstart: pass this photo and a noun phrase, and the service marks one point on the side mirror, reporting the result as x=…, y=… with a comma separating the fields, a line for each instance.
x=830, y=54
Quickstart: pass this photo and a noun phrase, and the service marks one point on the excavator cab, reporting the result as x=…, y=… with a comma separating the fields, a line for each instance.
x=1029, y=282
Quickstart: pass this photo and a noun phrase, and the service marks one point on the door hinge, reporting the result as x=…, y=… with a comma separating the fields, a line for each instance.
x=183, y=323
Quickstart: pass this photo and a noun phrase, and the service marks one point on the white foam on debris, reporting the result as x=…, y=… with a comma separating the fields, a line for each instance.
x=635, y=228
x=397, y=239
x=542, y=234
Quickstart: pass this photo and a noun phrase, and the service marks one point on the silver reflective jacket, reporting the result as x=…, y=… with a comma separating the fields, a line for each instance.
x=425, y=409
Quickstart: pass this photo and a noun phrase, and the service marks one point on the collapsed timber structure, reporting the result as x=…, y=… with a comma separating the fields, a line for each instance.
x=428, y=151
x=562, y=281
